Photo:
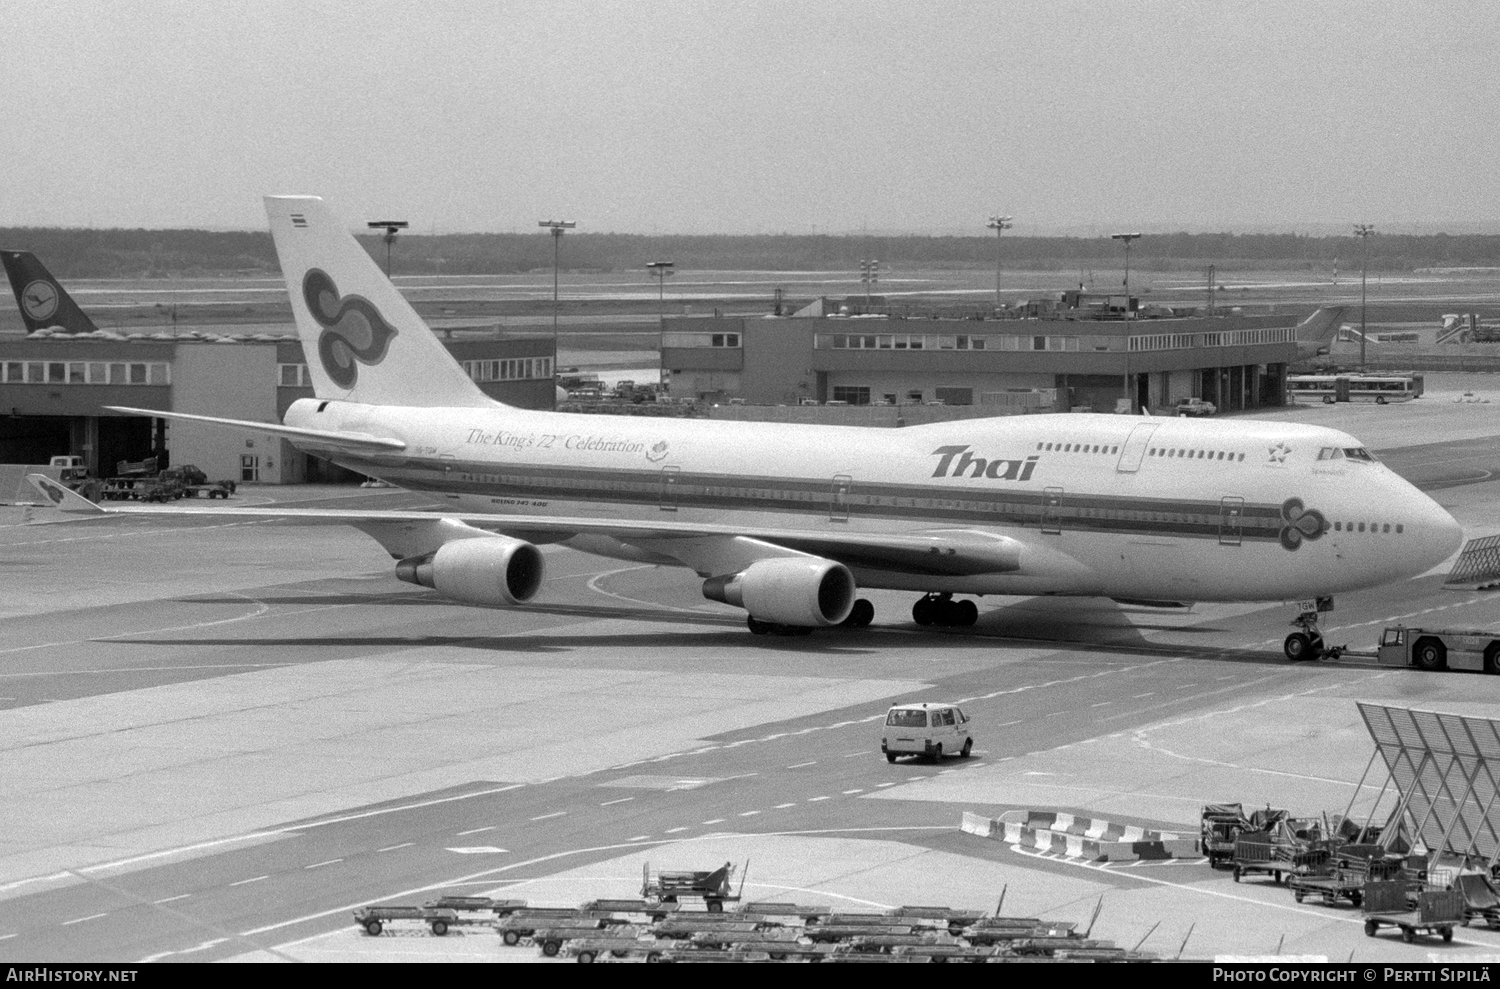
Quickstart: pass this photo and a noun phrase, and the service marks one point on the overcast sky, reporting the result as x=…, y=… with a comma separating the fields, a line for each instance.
x=676, y=116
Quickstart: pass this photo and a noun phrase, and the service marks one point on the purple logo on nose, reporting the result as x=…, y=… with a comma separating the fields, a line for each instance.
x=354, y=332
x=1300, y=523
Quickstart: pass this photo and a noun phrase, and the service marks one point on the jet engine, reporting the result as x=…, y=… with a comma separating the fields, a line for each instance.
x=490, y=570
x=796, y=590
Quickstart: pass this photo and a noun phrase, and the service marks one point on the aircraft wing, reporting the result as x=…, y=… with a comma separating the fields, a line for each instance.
x=350, y=442
x=705, y=547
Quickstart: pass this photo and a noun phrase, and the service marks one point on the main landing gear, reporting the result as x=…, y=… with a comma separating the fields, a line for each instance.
x=1308, y=643
x=941, y=609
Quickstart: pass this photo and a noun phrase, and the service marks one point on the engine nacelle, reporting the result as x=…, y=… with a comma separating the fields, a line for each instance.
x=489, y=570
x=788, y=590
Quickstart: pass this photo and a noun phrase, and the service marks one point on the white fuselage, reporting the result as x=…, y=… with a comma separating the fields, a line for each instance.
x=1119, y=506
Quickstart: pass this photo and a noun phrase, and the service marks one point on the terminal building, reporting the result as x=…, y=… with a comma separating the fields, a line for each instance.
x=1064, y=360
x=54, y=387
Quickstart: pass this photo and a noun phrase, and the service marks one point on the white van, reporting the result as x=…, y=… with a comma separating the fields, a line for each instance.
x=926, y=729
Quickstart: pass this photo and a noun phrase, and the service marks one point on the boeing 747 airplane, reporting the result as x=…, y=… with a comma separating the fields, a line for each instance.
x=788, y=522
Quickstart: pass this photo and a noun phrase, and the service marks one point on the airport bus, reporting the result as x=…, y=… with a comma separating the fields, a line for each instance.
x=1330, y=388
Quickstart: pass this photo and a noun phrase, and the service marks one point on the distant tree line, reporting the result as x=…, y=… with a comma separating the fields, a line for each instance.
x=79, y=253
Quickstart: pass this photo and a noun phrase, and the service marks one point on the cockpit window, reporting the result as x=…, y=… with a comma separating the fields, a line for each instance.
x=1358, y=453
x=1330, y=453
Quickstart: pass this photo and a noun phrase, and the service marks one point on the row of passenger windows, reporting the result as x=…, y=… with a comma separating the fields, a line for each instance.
x=1197, y=454
x=84, y=373
x=1079, y=447
x=1375, y=527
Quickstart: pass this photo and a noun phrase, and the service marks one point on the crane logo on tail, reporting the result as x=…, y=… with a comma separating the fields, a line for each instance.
x=354, y=332
x=1300, y=523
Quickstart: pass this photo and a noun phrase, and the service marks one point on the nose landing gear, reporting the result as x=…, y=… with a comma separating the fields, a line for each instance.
x=1308, y=643
x=941, y=609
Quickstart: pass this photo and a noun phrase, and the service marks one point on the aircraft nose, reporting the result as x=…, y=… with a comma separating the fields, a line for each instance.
x=1439, y=534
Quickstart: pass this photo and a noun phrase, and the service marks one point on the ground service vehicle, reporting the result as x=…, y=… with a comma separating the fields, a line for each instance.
x=926, y=729
x=1331, y=388
x=1218, y=827
x=1194, y=407
x=71, y=470
x=1440, y=649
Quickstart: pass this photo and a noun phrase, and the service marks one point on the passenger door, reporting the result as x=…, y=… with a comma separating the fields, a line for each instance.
x=1231, y=521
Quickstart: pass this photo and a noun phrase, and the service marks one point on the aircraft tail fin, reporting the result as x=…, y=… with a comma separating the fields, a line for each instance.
x=1315, y=333
x=362, y=339
x=65, y=499
x=44, y=302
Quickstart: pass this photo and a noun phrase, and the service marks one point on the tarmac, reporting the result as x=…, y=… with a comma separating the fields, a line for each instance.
x=221, y=739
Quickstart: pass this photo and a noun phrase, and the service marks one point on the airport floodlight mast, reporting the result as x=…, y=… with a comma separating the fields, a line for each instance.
x=557, y=227
x=1363, y=231
x=1127, y=238
x=869, y=274
x=390, y=227
x=661, y=271
x=999, y=224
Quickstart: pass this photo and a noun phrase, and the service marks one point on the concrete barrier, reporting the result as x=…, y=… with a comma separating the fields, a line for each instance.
x=1089, y=839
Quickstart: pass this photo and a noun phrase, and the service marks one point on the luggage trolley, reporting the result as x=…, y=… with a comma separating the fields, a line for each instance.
x=711, y=887
x=1437, y=912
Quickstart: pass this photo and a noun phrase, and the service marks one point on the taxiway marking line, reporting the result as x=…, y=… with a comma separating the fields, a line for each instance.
x=783, y=806
x=560, y=813
x=7, y=937
x=622, y=800
x=856, y=790
x=392, y=848
x=169, y=899
x=813, y=800
x=475, y=831
x=640, y=837
x=319, y=865
x=717, y=820
x=257, y=879
x=673, y=830
x=79, y=920
x=803, y=765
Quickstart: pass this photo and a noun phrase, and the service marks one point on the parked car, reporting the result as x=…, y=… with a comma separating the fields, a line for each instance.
x=1194, y=407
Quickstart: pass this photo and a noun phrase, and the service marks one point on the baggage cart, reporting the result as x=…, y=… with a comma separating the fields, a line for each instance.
x=938, y=918
x=524, y=923
x=828, y=933
x=552, y=939
x=588, y=950
x=713, y=888
x=656, y=911
x=1437, y=912
x=375, y=919
x=476, y=904
x=1267, y=852
x=1480, y=901
x=807, y=915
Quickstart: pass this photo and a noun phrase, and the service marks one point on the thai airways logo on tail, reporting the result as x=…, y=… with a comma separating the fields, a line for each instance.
x=354, y=332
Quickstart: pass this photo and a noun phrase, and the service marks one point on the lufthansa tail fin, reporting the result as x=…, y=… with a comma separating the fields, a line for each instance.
x=1315, y=333
x=363, y=341
x=44, y=303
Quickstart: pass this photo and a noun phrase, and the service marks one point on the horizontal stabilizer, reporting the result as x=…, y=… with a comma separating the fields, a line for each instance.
x=353, y=442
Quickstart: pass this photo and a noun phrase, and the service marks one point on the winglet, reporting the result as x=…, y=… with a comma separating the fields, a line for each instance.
x=66, y=500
